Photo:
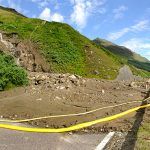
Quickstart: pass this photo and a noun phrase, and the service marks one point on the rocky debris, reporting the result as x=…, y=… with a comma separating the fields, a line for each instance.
x=144, y=84
x=25, y=52
x=55, y=81
x=133, y=84
x=116, y=142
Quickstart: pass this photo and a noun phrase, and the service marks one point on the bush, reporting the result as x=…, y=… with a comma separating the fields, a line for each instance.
x=10, y=74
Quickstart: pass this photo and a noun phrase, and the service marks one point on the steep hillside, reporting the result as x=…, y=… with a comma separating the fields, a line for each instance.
x=65, y=49
x=126, y=55
x=45, y=46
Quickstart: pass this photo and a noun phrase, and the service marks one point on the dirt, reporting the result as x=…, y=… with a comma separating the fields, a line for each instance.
x=26, y=53
x=57, y=94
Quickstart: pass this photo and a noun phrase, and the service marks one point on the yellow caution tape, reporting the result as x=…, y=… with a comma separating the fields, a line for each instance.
x=69, y=115
x=75, y=127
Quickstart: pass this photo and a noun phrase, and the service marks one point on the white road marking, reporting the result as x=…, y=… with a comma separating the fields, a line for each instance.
x=107, y=138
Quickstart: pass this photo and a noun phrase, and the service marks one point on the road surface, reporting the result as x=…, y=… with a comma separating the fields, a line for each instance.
x=16, y=140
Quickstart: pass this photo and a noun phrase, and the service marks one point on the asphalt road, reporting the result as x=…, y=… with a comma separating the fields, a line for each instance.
x=16, y=140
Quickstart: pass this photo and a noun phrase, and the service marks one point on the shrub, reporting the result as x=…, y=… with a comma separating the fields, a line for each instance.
x=11, y=75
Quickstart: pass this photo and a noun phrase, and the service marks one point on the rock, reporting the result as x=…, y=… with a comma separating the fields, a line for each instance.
x=73, y=77
x=15, y=116
x=130, y=95
x=58, y=98
x=148, y=81
x=133, y=84
x=103, y=91
x=39, y=99
x=96, y=72
x=47, y=126
x=60, y=87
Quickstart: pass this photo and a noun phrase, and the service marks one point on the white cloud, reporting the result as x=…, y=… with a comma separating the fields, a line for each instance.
x=46, y=14
x=148, y=54
x=57, y=17
x=119, y=12
x=136, y=44
x=119, y=34
x=46, y=3
x=102, y=11
x=82, y=9
x=140, y=26
x=42, y=3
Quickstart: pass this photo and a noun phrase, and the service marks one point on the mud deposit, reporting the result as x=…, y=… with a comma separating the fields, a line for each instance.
x=58, y=94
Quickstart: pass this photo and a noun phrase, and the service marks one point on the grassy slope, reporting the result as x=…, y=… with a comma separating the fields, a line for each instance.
x=66, y=49
x=138, y=64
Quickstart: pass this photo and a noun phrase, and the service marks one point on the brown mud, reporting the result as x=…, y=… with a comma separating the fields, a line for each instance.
x=58, y=94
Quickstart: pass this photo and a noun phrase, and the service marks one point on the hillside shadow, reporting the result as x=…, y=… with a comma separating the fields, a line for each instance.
x=140, y=65
x=131, y=137
x=122, y=51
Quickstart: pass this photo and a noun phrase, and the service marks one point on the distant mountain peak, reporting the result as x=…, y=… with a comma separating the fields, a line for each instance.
x=12, y=10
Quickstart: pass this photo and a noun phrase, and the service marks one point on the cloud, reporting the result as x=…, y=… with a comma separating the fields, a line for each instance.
x=46, y=3
x=46, y=14
x=136, y=44
x=102, y=11
x=117, y=35
x=119, y=12
x=140, y=26
x=83, y=9
x=41, y=3
x=148, y=54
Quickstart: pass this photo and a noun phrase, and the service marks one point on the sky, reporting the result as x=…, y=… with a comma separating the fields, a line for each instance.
x=124, y=22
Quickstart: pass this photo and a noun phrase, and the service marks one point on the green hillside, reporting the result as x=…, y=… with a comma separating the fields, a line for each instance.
x=127, y=57
x=65, y=49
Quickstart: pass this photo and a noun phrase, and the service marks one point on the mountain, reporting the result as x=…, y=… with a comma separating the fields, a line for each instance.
x=127, y=55
x=11, y=10
x=39, y=45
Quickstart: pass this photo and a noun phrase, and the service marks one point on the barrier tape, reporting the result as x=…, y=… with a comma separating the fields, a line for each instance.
x=70, y=115
x=72, y=128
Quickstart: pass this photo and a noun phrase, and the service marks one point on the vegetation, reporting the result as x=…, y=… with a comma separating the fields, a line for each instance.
x=139, y=65
x=10, y=74
x=64, y=48
x=143, y=137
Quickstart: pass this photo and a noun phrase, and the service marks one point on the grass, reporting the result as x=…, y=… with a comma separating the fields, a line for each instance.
x=10, y=74
x=139, y=65
x=143, y=138
x=64, y=48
